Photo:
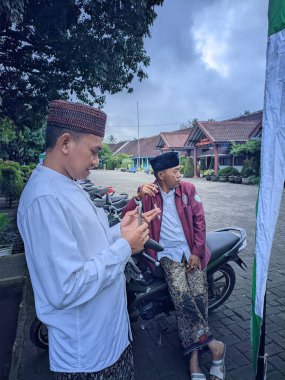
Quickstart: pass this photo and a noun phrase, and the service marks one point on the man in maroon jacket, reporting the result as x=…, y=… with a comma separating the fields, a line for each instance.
x=181, y=230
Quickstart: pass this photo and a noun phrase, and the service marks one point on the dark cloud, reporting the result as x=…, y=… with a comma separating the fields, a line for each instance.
x=207, y=61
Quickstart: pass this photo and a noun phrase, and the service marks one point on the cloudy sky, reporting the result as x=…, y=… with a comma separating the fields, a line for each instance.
x=207, y=61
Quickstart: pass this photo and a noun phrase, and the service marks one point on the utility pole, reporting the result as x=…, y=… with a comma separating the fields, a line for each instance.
x=139, y=151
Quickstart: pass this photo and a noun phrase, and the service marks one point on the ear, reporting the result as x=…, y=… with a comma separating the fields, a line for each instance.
x=65, y=142
x=160, y=176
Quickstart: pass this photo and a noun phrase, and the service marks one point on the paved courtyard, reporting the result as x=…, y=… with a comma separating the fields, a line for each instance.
x=225, y=204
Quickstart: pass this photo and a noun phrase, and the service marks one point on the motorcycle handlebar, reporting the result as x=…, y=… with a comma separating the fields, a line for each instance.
x=149, y=258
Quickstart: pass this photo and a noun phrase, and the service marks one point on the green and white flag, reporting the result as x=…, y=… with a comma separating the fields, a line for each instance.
x=272, y=163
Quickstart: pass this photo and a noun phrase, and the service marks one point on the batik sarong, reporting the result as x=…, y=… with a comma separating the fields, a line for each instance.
x=189, y=294
x=123, y=369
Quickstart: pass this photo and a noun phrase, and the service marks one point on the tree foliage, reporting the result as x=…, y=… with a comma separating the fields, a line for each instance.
x=11, y=183
x=111, y=139
x=84, y=48
x=116, y=161
x=11, y=9
x=251, y=149
x=21, y=145
x=189, y=168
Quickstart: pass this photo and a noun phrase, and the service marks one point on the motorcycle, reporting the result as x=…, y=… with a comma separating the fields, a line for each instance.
x=147, y=292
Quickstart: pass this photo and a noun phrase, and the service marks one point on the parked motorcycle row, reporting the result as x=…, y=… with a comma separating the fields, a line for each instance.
x=147, y=292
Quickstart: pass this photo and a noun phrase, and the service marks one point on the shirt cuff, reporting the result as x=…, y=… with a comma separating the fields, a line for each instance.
x=136, y=201
x=123, y=248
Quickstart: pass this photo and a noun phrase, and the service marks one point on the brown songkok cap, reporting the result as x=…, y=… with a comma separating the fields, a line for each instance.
x=77, y=117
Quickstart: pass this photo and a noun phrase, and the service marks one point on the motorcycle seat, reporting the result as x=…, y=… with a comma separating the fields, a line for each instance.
x=220, y=243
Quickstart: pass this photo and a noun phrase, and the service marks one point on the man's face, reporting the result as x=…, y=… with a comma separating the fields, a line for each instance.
x=83, y=156
x=170, y=177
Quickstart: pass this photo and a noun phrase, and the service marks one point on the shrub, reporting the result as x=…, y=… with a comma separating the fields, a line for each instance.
x=11, y=183
x=253, y=180
x=248, y=169
x=13, y=164
x=229, y=170
x=33, y=166
x=3, y=221
x=209, y=172
x=189, y=168
x=127, y=163
x=182, y=162
x=25, y=169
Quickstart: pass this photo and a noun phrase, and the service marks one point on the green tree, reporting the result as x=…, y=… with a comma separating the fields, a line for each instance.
x=111, y=139
x=116, y=161
x=22, y=145
x=82, y=48
x=189, y=168
x=127, y=163
x=189, y=124
x=104, y=155
x=105, y=152
x=11, y=183
x=7, y=135
x=251, y=149
x=11, y=9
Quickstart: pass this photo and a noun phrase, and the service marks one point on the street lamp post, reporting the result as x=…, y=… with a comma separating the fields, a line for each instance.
x=139, y=153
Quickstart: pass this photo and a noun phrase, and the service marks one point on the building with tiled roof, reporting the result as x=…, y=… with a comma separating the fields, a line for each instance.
x=172, y=141
x=140, y=152
x=253, y=116
x=214, y=138
x=205, y=139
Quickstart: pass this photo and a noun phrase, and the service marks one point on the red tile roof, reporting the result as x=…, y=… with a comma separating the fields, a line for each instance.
x=147, y=147
x=254, y=116
x=231, y=130
x=115, y=147
x=174, y=139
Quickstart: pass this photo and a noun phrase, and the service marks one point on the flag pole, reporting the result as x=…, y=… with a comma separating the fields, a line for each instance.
x=262, y=357
x=139, y=153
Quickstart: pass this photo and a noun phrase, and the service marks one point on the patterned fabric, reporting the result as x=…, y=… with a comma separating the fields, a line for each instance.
x=123, y=369
x=78, y=117
x=188, y=291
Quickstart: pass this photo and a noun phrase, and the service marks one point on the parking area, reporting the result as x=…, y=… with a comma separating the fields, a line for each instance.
x=225, y=204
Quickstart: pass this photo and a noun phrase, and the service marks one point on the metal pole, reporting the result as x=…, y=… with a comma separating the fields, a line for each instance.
x=262, y=357
x=139, y=152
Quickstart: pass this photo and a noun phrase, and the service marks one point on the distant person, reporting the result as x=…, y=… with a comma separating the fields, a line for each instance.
x=76, y=262
x=181, y=230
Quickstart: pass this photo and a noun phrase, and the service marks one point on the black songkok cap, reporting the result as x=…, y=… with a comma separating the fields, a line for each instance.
x=77, y=117
x=165, y=161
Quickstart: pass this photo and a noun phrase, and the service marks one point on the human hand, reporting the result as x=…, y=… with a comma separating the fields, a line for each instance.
x=131, y=219
x=194, y=263
x=137, y=235
x=147, y=189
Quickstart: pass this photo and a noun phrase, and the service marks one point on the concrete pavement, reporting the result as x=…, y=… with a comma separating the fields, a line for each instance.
x=225, y=204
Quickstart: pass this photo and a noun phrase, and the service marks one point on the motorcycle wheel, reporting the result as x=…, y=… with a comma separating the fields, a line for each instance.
x=39, y=334
x=220, y=286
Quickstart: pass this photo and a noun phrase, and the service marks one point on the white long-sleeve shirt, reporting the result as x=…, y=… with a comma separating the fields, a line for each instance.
x=172, y=236
x=76, y=263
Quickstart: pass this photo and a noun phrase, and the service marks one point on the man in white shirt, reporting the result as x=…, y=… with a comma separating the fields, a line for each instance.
x=76, y=262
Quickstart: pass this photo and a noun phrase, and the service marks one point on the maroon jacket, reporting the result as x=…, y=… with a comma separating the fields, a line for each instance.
x=191, y=213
